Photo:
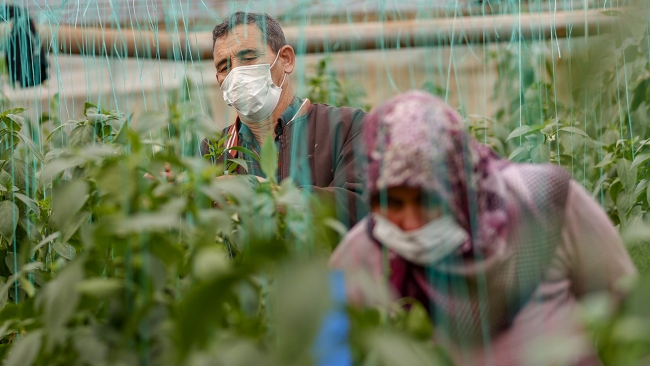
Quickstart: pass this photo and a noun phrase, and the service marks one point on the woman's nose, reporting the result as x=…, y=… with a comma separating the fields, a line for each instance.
x=412, y=218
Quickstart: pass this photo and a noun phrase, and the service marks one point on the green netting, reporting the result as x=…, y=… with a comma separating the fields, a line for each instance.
x=111, y=259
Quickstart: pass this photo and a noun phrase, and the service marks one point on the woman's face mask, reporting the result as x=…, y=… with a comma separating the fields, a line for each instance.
x=407, y=207
x=411, y=222
x=251, y=91
x=424, y=246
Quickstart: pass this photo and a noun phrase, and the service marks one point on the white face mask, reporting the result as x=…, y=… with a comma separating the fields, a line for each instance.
x=251, y=91
x=425, y=246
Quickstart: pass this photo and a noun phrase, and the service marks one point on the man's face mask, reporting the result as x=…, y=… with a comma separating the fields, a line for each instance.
x=251, y=91
x=425, y=246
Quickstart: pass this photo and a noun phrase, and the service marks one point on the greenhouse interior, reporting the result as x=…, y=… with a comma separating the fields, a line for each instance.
x=325, y=182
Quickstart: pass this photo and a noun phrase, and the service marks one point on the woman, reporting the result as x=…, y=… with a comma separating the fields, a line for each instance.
x=500, y=252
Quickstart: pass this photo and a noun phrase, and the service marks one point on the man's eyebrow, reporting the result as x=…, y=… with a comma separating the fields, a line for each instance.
x=240, y=54
x=221, y=62
x=243, y=53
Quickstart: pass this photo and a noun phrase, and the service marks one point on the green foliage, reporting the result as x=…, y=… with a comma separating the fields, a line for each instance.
x=599, y=133
x=329, y=88
x=602, y=136
x=621, y=330
x=103, y=265
x=148, y=268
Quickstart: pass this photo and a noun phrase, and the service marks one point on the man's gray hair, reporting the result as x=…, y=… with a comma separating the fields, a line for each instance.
x=273, y=34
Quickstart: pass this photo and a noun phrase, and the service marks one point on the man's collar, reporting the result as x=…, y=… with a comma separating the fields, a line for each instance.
x=291, y=111
x=247, y=135
x=243, y=131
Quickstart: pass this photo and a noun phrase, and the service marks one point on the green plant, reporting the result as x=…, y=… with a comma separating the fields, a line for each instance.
x=327, y=87
x=137, y=265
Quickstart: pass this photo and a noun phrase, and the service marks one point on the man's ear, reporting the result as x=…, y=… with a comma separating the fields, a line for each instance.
x=288, y=56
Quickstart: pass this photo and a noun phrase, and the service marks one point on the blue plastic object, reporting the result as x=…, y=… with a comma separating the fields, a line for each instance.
x=332, y=347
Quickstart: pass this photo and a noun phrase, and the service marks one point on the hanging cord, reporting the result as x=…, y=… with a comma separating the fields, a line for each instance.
x=25, y=57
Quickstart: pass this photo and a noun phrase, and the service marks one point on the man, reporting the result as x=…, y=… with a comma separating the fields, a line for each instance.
x=315, y=142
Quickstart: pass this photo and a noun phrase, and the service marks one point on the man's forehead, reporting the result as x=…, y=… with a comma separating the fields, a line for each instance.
x=242, y=36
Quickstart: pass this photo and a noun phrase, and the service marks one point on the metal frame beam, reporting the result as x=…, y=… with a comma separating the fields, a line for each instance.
x=336, y=37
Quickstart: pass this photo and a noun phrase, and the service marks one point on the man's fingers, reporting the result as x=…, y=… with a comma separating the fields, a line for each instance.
x=224, y=177
x=169, y=175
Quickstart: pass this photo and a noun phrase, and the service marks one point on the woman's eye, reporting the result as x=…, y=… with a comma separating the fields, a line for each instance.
x=393, y=203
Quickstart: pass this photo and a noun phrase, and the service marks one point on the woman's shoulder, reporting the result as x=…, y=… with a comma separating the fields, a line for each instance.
x=543, y=186
x=358, y=232
x=355, y=247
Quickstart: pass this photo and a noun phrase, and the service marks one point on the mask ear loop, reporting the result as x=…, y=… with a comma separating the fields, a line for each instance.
x=274, y=61
x=282, y=83
x=270, y=67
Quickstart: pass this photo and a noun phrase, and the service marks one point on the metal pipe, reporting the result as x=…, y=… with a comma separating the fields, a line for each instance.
x=367, y=12
x=334, y=37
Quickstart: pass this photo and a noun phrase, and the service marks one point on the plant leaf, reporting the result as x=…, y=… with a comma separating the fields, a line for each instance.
x=25, y=349
x=23, y=174
x=59, y=298
x=74, y=224
x=100, y=287
x=8, y=220
x=6, y=181
x=269, y=158
x=624, y=203
x=246, y=151
x=88, y=105
x=150, y=121
x=240, y=162
x=575, y=130
x=517, y=151
x=27, y=286
x=27, y=201
x=82, y=135
x=67, y=200
x=640, y=159
x=524, y=130
x=69, y=123
x=12, y=124
x=640, y=188
x=626, y=174
x=168, y=217
x=30, y=145
x=607, y=159
x=418, y=322
x=67, y=251
x=13, y=111
x=394, y=349
x=47, y=240
x=540, y=154
x=56, y=166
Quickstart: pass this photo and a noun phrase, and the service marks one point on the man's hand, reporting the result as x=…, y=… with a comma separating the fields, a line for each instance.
x=259, y=179
x=167, y=174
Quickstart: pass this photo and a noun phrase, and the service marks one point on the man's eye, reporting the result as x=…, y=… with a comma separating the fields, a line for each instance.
x=250, y=58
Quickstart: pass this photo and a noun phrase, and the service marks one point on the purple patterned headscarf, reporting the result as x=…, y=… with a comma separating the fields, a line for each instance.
x=416, y=140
